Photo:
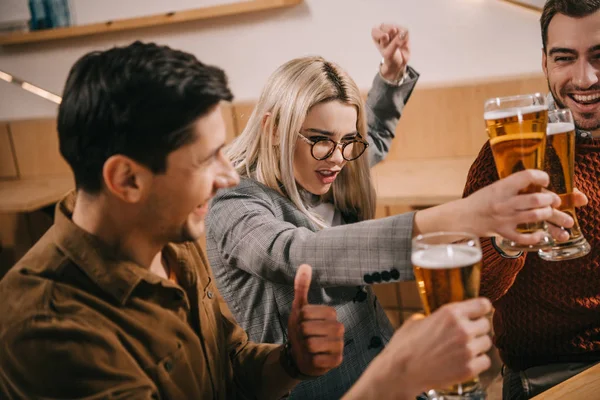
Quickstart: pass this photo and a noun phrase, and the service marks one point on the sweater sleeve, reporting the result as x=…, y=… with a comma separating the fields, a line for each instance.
x=498, y=272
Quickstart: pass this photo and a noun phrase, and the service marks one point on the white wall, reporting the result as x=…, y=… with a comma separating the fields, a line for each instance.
x=452, y=40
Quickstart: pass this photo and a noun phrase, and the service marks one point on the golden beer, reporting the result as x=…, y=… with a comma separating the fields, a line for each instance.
x=560, y=166
x=518, y=142
x=445, y=274
x=560, y=162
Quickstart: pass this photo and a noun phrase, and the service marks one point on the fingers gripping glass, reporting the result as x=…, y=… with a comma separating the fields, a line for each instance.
x=447, y=268
x=322, y=148
x=516, y=126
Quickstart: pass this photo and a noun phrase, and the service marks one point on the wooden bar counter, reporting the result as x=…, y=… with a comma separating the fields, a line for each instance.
x=585, y=385
x=420, y=182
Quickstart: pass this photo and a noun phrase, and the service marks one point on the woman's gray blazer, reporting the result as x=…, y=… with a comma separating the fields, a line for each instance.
x=256, y=238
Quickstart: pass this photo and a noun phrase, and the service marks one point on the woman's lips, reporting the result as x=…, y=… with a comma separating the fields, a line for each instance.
x=327, y=177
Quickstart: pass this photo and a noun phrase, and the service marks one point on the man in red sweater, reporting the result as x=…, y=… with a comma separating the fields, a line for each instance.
x=547, y=318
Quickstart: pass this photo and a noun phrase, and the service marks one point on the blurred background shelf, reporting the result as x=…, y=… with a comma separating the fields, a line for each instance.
x=27, y=195
x=216, y=11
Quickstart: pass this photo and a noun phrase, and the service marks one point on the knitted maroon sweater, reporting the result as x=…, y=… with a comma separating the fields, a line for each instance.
x=546, y=312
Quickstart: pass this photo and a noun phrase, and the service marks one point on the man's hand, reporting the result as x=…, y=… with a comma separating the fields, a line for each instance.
x=316, y=336
x=447, y=347
x=500, y=207
x=392, y=41
x=443, y=349
x=554, y=222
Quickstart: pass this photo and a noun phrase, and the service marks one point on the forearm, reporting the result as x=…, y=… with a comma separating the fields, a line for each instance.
x=258, y=243
x=384, y=106
x=366, y=389
x=499, y=272
x=275, y=383
x=453, y=216
x=383, y=380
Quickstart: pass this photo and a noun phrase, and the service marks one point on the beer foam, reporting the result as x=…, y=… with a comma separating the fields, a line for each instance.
x=445, y=256
x=512, y=112
x=554, y=128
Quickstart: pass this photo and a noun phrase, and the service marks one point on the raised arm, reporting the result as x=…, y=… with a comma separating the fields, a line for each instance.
x=247, y=229
x=391, y=89
x=245, y=232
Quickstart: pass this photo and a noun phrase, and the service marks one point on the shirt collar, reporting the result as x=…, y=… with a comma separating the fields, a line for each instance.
x=113, y=275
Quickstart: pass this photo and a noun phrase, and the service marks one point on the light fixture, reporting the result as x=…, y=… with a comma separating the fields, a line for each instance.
x=536, y=5
x=30, y=87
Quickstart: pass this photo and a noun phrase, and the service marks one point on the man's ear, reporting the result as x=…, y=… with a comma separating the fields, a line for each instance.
x=126, y=179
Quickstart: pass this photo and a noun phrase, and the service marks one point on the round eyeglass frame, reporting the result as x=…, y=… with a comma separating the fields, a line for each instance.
x=335, y=146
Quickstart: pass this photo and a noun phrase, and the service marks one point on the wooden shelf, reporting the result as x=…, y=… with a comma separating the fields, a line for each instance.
x=28, y=195
x=223, y=10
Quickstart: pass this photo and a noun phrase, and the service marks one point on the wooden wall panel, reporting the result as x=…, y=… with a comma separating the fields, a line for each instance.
x=228, y=117
x=448, y=121
x=8, y=168
x=242, y=112
x=381, y=211
x=15, y=240
x=36, y=148
x=18, y=232
x=440, y=121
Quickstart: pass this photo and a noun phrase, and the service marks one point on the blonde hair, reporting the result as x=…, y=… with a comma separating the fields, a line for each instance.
x=265, y=153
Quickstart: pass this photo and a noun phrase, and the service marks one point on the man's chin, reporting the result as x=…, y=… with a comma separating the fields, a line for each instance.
x=587, y=122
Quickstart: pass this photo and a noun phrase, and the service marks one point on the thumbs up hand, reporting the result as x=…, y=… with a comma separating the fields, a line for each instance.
x=315, y=335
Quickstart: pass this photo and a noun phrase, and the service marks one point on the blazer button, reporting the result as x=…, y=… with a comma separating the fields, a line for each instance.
x=361, y=296
x=368, y=279
x=375, y=342
x=395, y=274
x=376, y=277
x=168, y=366
x=386, y=276
x=209, y=294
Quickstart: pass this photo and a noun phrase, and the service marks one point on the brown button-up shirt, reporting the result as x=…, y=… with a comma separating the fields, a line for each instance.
x=75, y=322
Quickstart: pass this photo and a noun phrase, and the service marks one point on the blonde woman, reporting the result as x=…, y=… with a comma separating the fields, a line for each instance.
x=306, y=196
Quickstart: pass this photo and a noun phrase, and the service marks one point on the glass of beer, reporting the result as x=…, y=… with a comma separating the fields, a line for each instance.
x=447, y=268
x=560, y=165
x=516, y=127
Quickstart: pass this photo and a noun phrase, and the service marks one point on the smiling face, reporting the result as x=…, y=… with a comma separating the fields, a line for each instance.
x=332, y=120
x=572, y=66
x=178, y=200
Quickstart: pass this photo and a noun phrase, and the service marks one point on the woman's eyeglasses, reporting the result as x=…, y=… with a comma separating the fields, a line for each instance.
x=322, y=147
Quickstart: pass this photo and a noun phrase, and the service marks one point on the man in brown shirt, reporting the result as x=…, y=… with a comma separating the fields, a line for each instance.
x=117, y=300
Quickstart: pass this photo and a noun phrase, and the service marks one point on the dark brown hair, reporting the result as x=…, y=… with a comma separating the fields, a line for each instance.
x=570, y=8
x=139, y=101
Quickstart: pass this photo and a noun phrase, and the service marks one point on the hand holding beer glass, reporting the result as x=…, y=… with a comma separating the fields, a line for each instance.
x=447, y=268
x=560, y=166
x=517, y=130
